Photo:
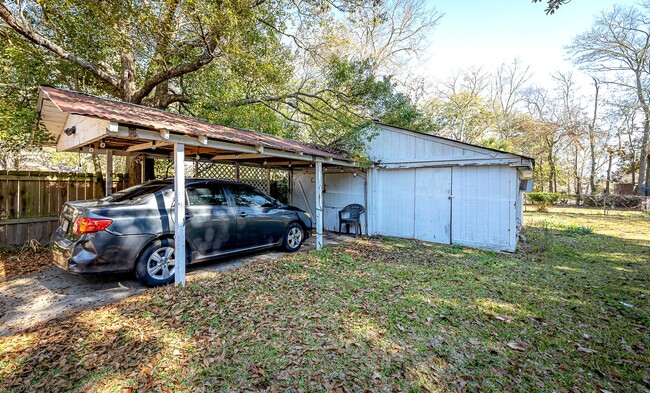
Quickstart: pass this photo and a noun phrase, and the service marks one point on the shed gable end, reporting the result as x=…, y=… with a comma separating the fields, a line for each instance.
x=392, y=145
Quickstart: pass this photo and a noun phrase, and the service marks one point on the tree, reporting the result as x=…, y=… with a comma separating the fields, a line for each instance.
x=460, y=110
x=618, y=47
x=552, y=5
x=507, y=95
x=280, y=61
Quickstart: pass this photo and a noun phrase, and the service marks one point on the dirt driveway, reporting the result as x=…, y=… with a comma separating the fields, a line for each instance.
x=28, y=300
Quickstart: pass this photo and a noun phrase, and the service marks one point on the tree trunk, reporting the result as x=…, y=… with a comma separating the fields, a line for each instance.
x=633, y=169
x=99, y=184
x=647, y=175
x=609, y=173
x=646, y=133
x=578, y=180
x=643, y=161
x=540, y=166
x=592, y=141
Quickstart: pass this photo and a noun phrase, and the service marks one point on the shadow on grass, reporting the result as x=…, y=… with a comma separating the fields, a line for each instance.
x=376, y=315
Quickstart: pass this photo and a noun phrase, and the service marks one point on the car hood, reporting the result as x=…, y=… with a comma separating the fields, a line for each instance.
x=293, y=208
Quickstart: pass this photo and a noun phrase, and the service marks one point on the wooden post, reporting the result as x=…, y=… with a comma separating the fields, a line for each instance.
x=109, y=172
x=319, y=205
x=179, y=213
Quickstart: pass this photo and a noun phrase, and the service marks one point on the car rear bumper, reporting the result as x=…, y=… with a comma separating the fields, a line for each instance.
x=98, y=252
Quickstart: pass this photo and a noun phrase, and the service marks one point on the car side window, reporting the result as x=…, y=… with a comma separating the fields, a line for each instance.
x=248, y=197
x=206, y=195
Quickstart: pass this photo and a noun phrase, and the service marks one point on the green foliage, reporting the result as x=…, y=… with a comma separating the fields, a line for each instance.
x=496, y=143
x=463, y=115
x=277, y=67
x=570, y=228
x=579, y=229
x=542, y=200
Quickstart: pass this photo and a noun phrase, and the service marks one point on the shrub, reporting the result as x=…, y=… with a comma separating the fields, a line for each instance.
x=542, y=200
x=579, y=229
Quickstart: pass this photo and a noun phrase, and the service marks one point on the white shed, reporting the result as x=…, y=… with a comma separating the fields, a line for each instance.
x=429, y=188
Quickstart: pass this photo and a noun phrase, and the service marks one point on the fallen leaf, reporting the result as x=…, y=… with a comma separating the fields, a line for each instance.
x=585, y=350
x=518, y=345
x=504, y=319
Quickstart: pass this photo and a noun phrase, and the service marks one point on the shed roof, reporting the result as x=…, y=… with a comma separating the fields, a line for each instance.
x=72, y=102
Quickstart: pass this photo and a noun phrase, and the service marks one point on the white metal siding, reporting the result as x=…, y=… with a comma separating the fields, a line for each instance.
x=483, y=208
x=433, y=205
x=340, y=190
x=414, y=203
x=392, y=145
x=395, y=202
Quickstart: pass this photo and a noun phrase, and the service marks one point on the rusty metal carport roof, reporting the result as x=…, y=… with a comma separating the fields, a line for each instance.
x=126, y=126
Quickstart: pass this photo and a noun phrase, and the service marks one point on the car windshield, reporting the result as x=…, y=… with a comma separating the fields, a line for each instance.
x=135, y=193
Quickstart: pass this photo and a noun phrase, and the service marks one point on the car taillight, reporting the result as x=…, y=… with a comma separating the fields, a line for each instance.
x=87, y=225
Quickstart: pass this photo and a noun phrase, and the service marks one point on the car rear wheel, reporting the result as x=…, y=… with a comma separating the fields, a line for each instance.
x=293, y=237
x=157, y=264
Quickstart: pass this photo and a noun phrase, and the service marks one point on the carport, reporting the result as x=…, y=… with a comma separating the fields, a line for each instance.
x=89, y=124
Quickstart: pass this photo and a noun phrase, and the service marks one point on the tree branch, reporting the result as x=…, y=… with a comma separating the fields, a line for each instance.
x=173, y=72
x=106, y=75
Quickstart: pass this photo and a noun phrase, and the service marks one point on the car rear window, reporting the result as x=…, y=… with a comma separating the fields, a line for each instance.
x=136, y=192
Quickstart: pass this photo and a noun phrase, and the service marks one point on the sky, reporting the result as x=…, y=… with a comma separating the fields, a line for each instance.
x=487, y=33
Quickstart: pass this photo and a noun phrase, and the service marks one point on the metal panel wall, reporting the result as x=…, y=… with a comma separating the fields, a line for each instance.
x=395, y=203
x=340, y=190
x=414, y=203
x=484, y=207
x=433, y=204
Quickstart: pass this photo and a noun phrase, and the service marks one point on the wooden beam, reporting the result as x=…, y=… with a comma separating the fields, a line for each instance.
x=244, y=156
x=228, y=146
x=147, y=145
x=81, y=130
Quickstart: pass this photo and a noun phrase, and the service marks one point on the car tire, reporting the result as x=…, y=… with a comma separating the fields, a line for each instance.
x=153, y=267
x=293, y=237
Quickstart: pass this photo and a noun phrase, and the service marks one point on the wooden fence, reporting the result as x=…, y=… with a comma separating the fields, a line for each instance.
x=30, y=202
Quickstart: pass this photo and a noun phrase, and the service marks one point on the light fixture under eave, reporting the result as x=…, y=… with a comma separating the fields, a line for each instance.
x=153, y=145
x=102, y=144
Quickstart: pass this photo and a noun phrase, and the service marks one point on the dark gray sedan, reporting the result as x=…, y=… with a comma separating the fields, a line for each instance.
x=133, y=230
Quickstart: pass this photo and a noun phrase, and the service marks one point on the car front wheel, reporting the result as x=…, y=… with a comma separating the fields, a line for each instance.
x=293, y=237
x=157, y=264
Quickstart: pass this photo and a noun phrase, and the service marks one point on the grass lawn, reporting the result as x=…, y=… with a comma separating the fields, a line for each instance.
x=569, y=312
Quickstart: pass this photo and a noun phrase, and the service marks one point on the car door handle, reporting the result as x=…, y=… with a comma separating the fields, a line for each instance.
x=243, y=214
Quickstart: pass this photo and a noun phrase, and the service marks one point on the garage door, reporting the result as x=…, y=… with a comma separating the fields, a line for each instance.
x=415, y=203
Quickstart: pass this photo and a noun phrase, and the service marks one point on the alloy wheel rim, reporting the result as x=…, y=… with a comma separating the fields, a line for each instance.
x=295, y=237
x=161, y=264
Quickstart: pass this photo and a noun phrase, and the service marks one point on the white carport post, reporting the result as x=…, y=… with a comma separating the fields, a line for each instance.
x=319, y=205
x=179, y=213
x=109, y=172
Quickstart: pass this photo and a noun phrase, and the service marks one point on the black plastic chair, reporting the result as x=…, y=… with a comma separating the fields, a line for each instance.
x=354, y=212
